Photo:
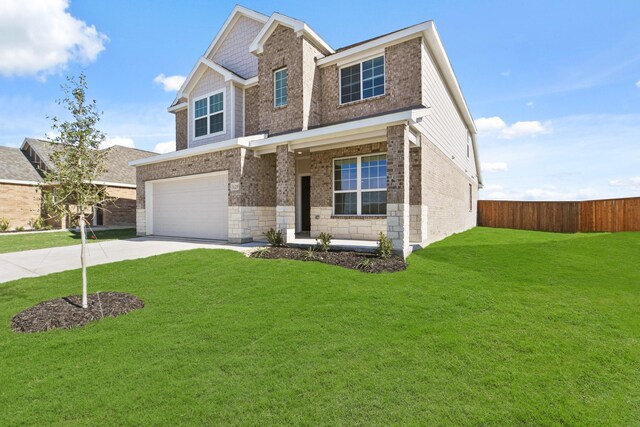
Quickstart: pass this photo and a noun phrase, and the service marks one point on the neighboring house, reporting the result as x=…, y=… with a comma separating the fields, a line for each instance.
x=275, y=128
x=20, y=199
x=21, y=171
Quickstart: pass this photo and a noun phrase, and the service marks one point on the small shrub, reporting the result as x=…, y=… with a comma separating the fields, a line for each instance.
x=385, y=246
x=310, y=253
x=20, y=228
x=366, y=264
x=261, y=252
x=324, y=241
x=274, y=237
x=4, y=224
x=38, y=223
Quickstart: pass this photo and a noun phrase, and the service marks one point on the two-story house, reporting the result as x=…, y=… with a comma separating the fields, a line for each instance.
x=275, y=128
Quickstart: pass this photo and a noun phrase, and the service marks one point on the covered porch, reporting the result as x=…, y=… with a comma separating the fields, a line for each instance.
x=353, y=185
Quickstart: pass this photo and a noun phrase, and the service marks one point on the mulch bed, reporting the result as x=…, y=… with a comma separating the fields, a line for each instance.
x=347, y=259
x=67, y=312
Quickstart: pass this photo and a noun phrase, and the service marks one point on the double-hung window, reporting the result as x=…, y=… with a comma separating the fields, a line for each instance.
x=280, y=87
x=360, y=185
x=209, y=115
x=363, y=80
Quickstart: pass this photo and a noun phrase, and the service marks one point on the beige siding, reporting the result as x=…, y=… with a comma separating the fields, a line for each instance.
x=444, y=127
x=233, y=52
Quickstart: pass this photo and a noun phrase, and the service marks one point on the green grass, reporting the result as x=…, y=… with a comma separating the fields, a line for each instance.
x=489, y=327
x=41, y=240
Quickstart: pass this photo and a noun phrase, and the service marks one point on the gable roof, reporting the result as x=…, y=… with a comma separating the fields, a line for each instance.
x=15, y=166
x=300, y=27
x=233, y=17
x=199, y=69
x=117, y=160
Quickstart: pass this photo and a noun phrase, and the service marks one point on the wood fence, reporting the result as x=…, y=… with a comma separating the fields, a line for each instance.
x=563, y=217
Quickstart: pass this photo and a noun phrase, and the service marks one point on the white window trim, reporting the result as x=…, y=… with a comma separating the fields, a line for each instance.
x=358, y=189
x=351, y=64
x=223, y=111
x=274, y=88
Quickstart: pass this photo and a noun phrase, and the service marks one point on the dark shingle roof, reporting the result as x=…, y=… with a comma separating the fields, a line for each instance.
x=117, y=160
x=15, y=166
x=118, y=169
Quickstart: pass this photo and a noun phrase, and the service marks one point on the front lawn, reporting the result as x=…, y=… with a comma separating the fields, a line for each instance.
x=41, y=240
x=489, y=327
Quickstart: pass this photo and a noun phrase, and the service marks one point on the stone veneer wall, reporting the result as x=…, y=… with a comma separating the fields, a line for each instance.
x=447, y=195
x=19, y=204
x=322, y=218
x=402, y=86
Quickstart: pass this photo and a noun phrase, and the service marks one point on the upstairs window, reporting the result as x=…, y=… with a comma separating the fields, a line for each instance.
x=280, y=87
x=360, y=185
x=209, y=115
x=362, y=81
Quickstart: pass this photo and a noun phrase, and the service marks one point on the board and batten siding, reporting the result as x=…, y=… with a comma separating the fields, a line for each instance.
x=444, y=127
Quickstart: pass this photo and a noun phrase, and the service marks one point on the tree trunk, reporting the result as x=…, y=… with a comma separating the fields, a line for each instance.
x=83, y=250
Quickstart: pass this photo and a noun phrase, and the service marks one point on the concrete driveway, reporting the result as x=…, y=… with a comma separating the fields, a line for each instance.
x=40, y=262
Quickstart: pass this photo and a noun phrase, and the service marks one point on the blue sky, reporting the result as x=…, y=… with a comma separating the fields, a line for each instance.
x=554, y=86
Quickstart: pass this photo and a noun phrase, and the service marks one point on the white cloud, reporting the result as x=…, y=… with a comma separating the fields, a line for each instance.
x=633, y=182
x=638, y=83
x=39, y=38
x=117, y=140
x=165, y=147
x=493, y=167
x=529, y=104
x=518, y=129
x=170, y=83
x=506, y=73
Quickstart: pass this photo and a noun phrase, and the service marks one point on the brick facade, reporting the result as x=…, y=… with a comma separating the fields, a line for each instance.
x=282, y=49
x=19, y=204
x=121, y=212
x=402, y=86
x=182, y=129
x=398, y=170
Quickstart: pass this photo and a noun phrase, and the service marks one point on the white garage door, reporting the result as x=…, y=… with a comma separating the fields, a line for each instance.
x=191, y=207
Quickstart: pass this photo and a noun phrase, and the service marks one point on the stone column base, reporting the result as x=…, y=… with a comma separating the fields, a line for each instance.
x=286, y=221
x=141, y=222
x=398, y=227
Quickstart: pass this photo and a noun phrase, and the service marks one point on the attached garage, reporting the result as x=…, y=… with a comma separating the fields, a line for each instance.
x=193, y=206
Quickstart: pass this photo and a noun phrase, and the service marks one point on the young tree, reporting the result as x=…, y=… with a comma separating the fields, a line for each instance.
x=70, y=187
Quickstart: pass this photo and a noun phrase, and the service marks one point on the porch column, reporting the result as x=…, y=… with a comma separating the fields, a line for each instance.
x=285, y=192
x=398, y=167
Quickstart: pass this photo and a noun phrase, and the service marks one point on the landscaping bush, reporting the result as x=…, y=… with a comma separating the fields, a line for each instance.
x=4, y=224
x=275, y=237
x=324, y=241
x=310, y=253
x=20, y=228
x=385, y=246
x=38, y=223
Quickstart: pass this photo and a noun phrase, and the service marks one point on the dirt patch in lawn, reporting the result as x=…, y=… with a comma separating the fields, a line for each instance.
x=67, y=312
x=365, y=262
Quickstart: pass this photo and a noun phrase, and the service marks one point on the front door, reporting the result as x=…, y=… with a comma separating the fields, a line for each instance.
x=305, y=203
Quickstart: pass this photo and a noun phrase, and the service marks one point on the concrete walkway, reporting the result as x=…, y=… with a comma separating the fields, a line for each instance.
x=40, y=262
